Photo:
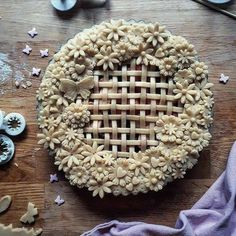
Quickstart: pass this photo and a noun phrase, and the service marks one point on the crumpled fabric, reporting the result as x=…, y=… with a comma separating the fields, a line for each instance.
x=213, y=215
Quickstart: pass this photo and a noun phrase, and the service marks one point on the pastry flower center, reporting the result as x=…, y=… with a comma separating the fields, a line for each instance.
x=154, y=180
x=170, y=128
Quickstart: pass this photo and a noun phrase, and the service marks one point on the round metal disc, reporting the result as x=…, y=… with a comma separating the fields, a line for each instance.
x=7, y=149
x=63, y=5
x=1, y=118
x=14, y=123
x=219, y=1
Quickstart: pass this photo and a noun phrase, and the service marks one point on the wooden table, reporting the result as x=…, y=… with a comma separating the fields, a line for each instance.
x=214, y=36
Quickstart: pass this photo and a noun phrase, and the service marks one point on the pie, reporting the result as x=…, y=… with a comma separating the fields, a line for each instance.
x=125, y=107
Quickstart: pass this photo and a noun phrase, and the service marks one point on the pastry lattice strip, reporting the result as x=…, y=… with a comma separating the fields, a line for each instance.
x=124, y=106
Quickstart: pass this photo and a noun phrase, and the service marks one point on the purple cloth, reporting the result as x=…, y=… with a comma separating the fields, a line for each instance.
x=213, y=215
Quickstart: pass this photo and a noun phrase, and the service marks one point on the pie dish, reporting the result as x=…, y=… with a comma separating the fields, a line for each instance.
x=125, y=107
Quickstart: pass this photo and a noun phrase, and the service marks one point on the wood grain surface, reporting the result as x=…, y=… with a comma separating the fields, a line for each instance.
x=214, y=36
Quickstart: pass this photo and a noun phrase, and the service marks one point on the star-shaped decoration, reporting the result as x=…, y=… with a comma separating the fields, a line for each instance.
x=27, y=49
x=223, y=78
x=53, y=178
x=32, y=32
x=36, y=71
x=59, y=201
x=44, y=53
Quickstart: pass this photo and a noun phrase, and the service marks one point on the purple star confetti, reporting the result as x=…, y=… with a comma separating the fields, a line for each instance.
x=32, y=32
x=59, y=201
x=36, y=71
x=53, y=178
x=27, y=49
x=223, y=78
x=44, y=53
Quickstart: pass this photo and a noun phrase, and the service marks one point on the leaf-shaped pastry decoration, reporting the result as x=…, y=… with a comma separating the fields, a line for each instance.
x=28, y=217
x=10, y=231
x=5, y=203
x=72, y=89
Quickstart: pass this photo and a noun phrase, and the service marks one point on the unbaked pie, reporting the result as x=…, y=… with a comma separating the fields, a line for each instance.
x=125, y=107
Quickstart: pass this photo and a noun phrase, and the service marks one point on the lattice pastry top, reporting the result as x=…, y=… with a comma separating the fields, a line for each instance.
x=125, y=107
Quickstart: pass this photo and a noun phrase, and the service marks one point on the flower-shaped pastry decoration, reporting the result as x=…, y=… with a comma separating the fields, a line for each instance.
x=121, y=174
x=185, y=54
x=155, y=34
x=203, y=90
x=144, y=55
x=153, y=79
x=72, y=137
x=185, y=92
x=93, y=153
x=100, y=186
x=76, y=115
x=184, y=76
x=107, y=58
x=77, y=47
x=169, y=129
x=192, y=117
x=200, y=69
x=72, y=157
x=78, y=175
x=115, y=29
x=152, y=181
x=49, y=138
x=139, y=163
x=168, y=66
